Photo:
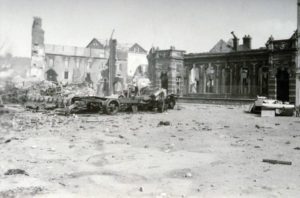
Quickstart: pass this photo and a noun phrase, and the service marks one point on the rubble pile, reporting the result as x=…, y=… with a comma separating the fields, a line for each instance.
x=46, y=88
x=48, y=95
x=11, y=94
x=72, y=90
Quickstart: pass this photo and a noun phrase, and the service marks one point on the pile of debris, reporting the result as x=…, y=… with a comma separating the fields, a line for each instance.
x=48, y=95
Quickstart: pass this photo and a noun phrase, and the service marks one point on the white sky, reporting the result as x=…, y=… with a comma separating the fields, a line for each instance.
x=191, y=25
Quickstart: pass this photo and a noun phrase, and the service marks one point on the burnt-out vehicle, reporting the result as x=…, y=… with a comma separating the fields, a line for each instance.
x=147, y=100
x=93, y=104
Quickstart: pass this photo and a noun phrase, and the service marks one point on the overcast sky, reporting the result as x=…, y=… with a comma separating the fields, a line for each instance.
x=191, y=25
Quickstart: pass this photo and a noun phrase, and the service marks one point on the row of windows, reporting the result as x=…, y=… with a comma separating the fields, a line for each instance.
x=101, y=66
x=66, y=75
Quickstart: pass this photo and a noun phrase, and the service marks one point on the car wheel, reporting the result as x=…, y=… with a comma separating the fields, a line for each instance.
x=112, y=108
x=172, y=104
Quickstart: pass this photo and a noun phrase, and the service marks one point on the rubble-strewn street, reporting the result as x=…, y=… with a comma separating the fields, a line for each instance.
x=191, y=151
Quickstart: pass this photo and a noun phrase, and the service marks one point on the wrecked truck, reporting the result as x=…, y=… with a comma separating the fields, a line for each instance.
x=93, y=104
x=148, y=100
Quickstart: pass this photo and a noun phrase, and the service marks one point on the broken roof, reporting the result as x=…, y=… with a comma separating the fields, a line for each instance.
x=225, y=47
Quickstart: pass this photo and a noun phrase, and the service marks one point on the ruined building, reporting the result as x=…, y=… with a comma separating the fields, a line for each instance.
x=104, y=65
x=231, y=70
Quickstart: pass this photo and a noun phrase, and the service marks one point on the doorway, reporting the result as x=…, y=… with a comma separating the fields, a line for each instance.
x=51, y=75
x=282, y=80
x=164, y=80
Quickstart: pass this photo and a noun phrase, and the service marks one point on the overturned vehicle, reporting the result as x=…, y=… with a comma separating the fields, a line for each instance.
x=280, y=108
x=149, y=99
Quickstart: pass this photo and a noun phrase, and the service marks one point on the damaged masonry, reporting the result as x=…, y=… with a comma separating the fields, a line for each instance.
x=118, y=119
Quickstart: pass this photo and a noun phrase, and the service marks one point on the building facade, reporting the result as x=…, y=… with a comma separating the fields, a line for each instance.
x=166, y=69
x=231, y=70
x=103, y=65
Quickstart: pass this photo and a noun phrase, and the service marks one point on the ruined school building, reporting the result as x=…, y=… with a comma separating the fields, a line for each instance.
x=104, y=64
x=230, y=70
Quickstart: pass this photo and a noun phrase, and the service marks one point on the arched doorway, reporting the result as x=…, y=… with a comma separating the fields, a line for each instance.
x=51, y=75
x=282, y=81
x=164, y=80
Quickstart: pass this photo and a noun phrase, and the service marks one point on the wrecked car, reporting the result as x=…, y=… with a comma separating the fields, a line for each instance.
x=280, y=108
x=148, y=100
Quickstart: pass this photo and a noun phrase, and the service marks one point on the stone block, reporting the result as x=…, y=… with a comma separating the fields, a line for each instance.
x=267, y=113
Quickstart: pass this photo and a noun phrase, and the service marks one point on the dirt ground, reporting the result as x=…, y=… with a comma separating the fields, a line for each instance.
x=206, y=151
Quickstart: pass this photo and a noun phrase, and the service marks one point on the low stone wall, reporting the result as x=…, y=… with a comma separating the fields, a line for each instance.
x=230, y=101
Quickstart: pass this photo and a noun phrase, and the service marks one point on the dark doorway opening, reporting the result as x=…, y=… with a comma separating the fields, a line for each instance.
x=51, y=75
x=164, y=81
x=282, y=80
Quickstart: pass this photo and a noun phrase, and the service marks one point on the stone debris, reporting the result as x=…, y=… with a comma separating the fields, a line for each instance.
x=271, y=161
x=188, y=175
x=162, y=195
x=21, y=192
x=16, y=172
x=9, y=140
x=164, y=123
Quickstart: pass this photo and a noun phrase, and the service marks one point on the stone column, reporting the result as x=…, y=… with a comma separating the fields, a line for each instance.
x=172, y=78
x=272, y=84
x=235, y=84
x=204, y=80
x=217, y=76
x=201, y=79
x=297, y=65
x=250, y=80
x=157, y=78
x=230, y=90
x=255, y=77
x=186, y=80
x=292, y=84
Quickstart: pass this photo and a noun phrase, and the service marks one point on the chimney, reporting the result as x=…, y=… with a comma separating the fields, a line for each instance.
x=235, y=42
x=247, y=41
x=37, y=33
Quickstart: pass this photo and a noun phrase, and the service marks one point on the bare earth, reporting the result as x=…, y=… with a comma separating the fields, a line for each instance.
x=207, y=151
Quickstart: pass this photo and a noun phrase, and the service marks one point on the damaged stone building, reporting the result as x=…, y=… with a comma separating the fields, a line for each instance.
x=230, y=70
x=104, y=65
